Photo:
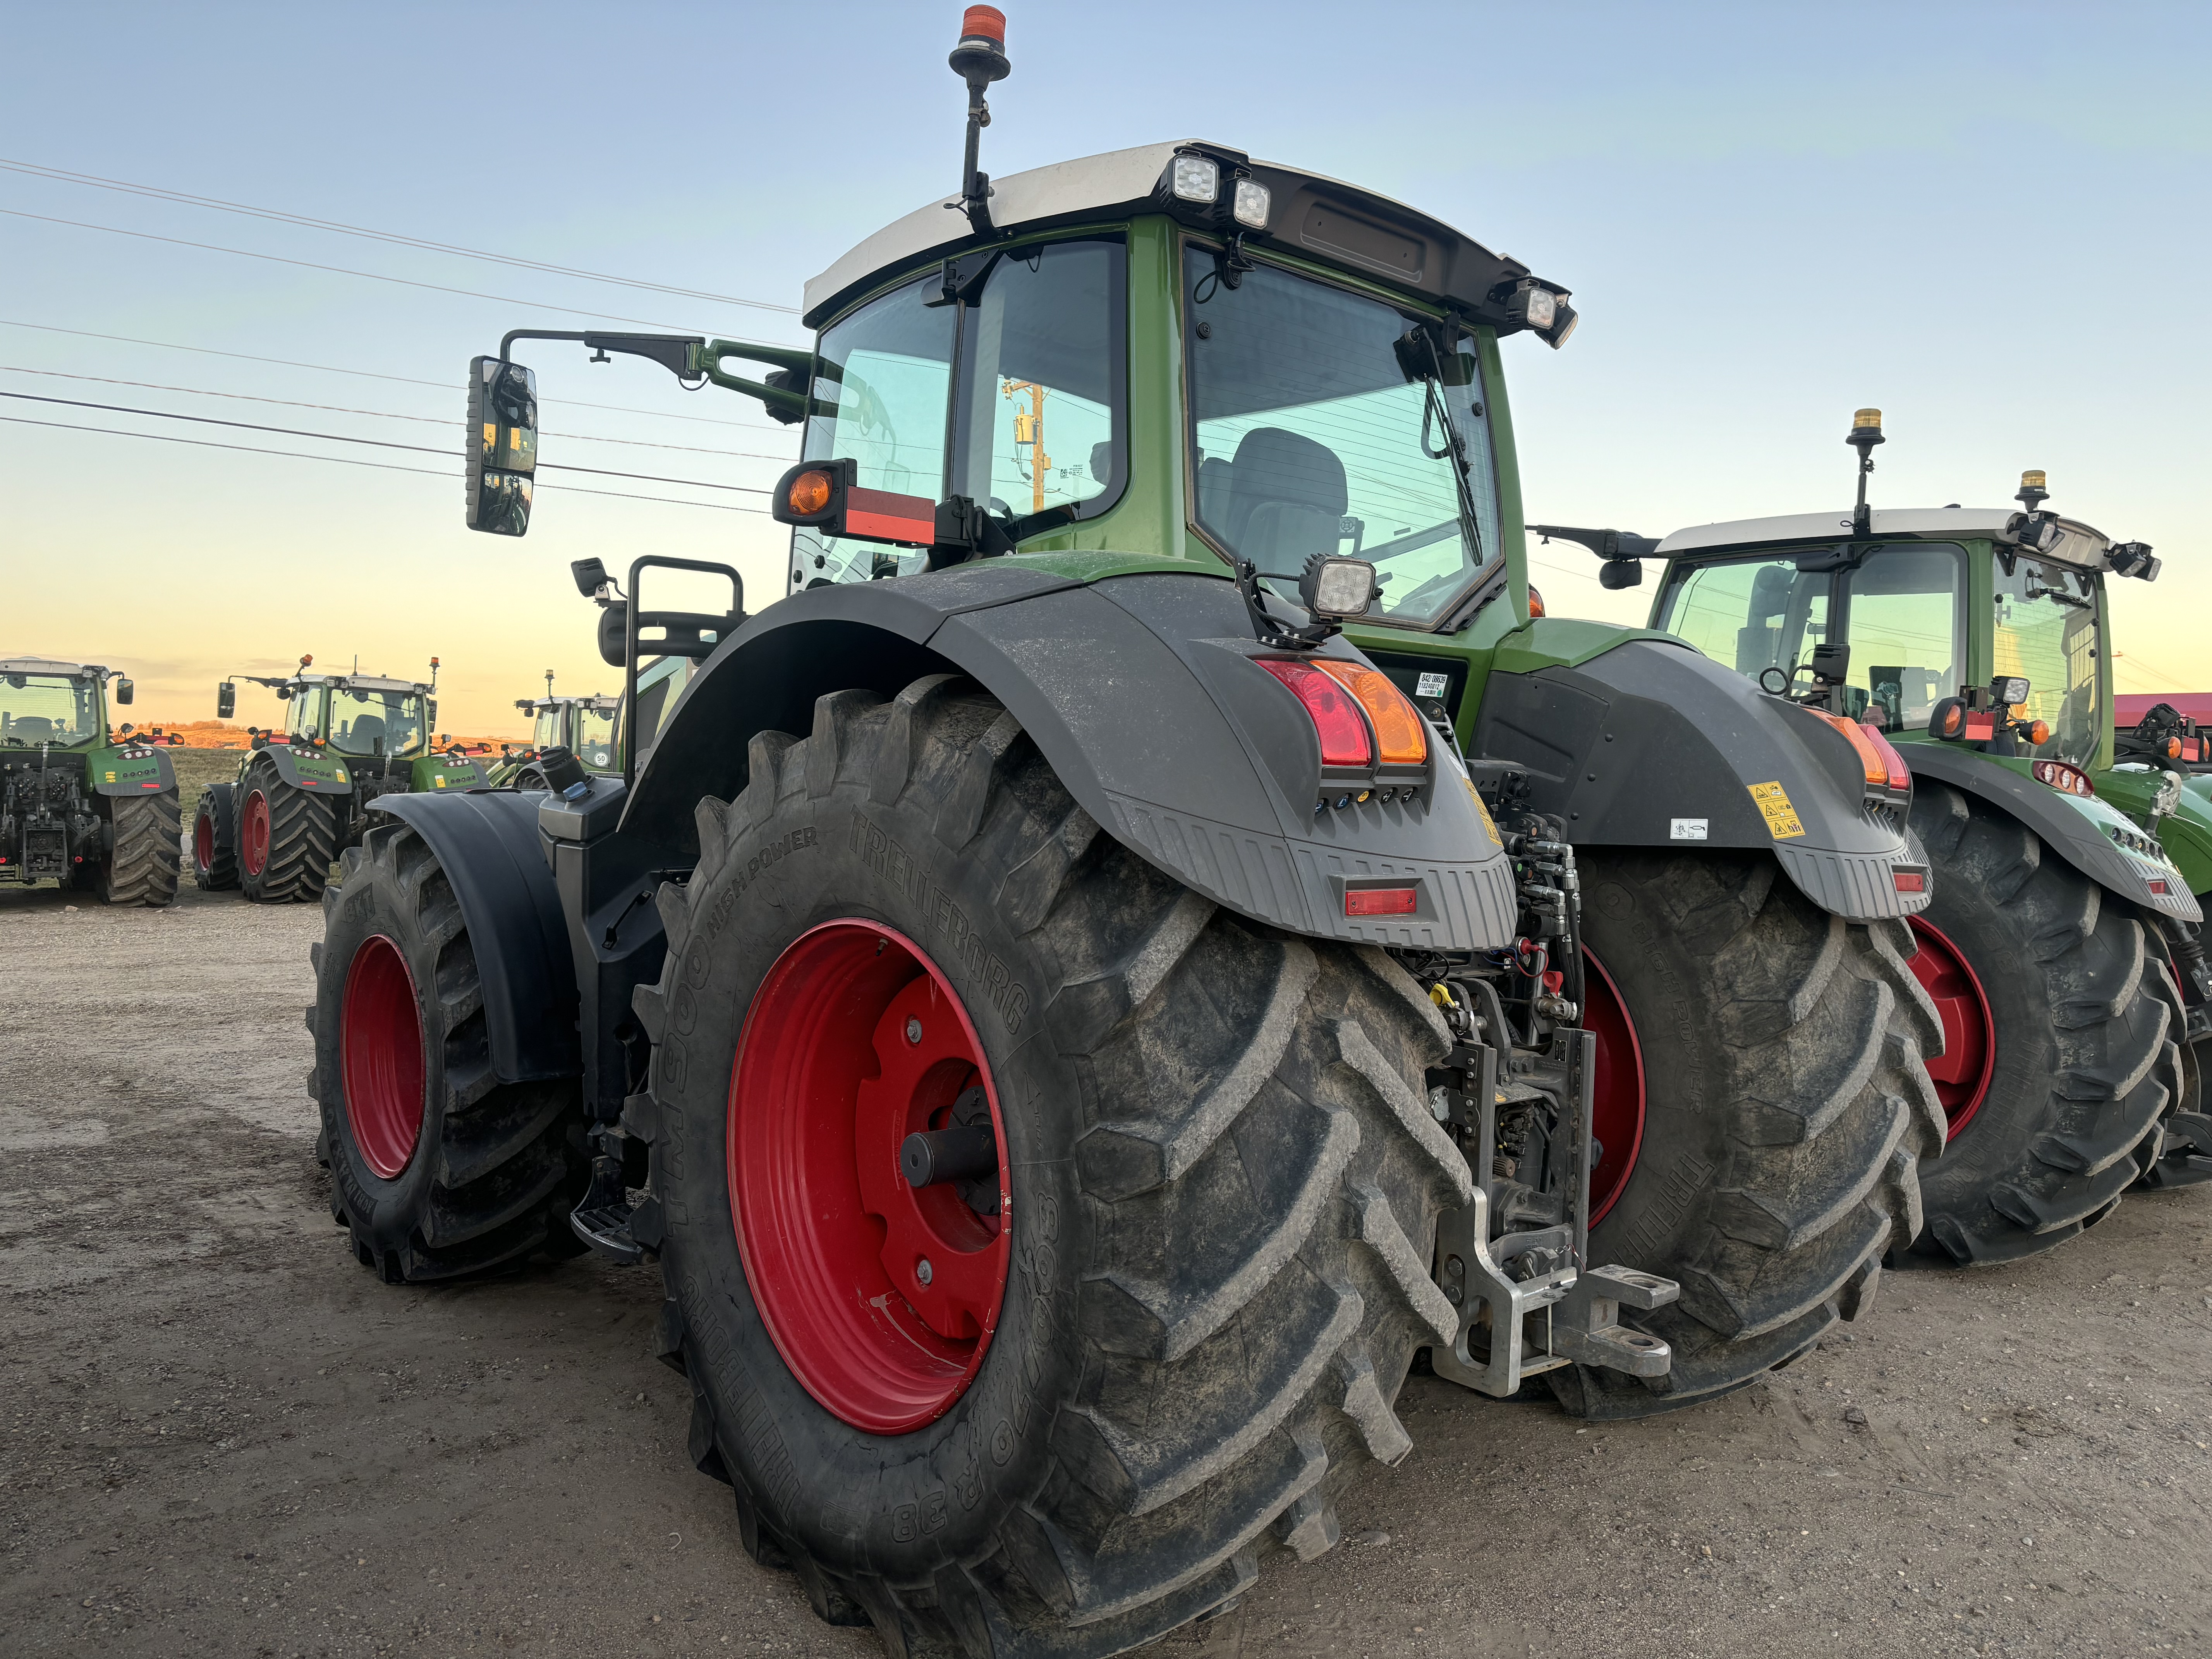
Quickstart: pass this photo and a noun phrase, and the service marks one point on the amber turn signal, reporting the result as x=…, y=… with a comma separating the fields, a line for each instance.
x=809, y=493
x=2038, y=733
x=1398, y=729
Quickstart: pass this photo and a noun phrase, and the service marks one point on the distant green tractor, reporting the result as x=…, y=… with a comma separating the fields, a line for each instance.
x=2062, y=946
x=77, y=806
x=584, y=727
x=302, y=794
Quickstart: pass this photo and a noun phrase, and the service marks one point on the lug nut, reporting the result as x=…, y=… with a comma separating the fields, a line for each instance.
x=921, y=1271
x=914, y=1031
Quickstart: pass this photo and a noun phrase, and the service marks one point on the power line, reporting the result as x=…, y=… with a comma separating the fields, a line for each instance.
x=348, y=460
x=345, y=271
x=372, y=375
x=63, y=175
x=377, y=443
x=376, y=414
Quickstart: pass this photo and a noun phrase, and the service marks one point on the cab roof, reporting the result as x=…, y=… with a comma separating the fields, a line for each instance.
x=47, y=665
x=1331, y=220
x=2082, y=545
x=360, y=682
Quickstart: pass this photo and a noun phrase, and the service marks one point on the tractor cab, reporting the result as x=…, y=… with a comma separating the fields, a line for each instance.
x=384, y=723
x=583, y=725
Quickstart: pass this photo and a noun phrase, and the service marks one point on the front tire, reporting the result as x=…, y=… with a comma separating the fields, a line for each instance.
x=437, y=1169
x=1221, y=1186
x=141, y=866
x=2059, y=988
x=1786, y=1109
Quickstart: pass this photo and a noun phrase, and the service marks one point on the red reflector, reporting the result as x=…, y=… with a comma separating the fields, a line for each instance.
x=2193, y=749
x=1379, y=902
x=887, y=517
x=1980, y=729
x=1334, y=714
x=1909, y=881
x=2156, y=886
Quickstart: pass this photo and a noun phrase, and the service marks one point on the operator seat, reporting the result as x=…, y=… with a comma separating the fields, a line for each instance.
x=368, y=731
x=1286, y=498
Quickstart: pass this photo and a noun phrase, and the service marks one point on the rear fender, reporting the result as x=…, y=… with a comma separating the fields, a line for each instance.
x=1141, y=693
x=2078, y=830
x=1651, y=743
x=489, y=846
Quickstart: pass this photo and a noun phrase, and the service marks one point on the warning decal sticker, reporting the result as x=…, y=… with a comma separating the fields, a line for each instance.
x=1773, y=803
x=1481, y=811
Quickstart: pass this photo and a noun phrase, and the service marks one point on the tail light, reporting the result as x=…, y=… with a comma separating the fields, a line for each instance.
x=1871, y=761
x=1399, y=732
x=1335, y=712
x=1900, y=775
x=1535, y=605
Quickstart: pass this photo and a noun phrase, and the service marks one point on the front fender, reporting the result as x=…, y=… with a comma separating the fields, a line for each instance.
x=131, y=769
x=1651, y=744
x=1141, y=692
x=2078, y=828
x=489, y=846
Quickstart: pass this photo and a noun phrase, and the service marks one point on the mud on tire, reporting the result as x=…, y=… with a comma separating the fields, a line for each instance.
x=141, y=867
x=496, y=1167
x=1788, y=1106
x=2085, y=1015
x=1224, y=1185
x=214, y=839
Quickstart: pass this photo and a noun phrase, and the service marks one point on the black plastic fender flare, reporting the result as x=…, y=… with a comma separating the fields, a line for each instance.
x=1140, y=691
x=2064, y=829
x=490, y=847
x=1652, y=744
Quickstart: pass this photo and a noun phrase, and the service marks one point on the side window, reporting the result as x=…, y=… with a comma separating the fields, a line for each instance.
x=2047, y=630
x=301, y=715
x=547, y=729
x=1752, y=615
x=1041, y=361
x=1907, y=632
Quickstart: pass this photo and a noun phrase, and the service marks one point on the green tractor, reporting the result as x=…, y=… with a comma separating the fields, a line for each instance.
x=2063, y=947
x=584, y=727
x=1077, y=1026
x=79, y=805
x=301, y=795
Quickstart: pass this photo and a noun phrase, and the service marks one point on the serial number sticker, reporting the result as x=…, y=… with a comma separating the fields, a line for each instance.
x=1686, y=828
x=1480, y=811
x=1432, y=685
x=1773, y=803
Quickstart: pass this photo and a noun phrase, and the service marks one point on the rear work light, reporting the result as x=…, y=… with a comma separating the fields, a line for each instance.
x=1381, y=902
x=1334, y=714
x=1398, y=729
x=2061, y=775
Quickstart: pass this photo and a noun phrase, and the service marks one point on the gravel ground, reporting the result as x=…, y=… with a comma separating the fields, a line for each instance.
x=223, y=1436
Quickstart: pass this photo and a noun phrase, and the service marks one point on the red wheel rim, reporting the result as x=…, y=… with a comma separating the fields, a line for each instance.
x=1962, y=1072
x=203, y=841
x=380, y=1057
x=255, y=840
x=1617, y=1086
x=826, y=1086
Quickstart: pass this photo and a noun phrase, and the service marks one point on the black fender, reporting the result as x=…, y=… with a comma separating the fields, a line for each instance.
x=1652, y=744
x=288, y=769
x=2072, y=832
x=490, y=848
x=1141, y=693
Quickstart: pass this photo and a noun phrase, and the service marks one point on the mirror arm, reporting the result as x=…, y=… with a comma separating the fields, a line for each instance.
x=783, y=401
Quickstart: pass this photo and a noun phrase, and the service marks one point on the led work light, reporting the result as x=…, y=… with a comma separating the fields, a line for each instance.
x=1197, y=178
x=1337, y=587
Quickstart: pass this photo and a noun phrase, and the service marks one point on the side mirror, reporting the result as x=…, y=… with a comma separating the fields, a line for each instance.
x=1617, y=573
x=225, y=701
x=502, y=446
x=614, y=634
x=125, y=691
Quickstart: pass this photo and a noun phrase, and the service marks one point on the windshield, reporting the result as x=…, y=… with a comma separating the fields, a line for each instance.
x=547, y=731
x=1906, y=627
x=1318, y=426
x=375, y=722
x=2047, y=630
x=55, y=708
x=595, y=737
x=1012, y=397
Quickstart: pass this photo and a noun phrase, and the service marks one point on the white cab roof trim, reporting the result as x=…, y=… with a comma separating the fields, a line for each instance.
x=1831, y=526
x=38, y=665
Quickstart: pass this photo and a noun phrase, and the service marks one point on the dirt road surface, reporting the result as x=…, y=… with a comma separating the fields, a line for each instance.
x=224, y=1437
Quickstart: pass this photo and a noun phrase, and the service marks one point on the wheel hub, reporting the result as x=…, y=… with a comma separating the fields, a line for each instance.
x=881, y=1296
x=380, y=1057
x=1616, y=1086
x=254, y=849
x=203, y=842
x=1961, y=1073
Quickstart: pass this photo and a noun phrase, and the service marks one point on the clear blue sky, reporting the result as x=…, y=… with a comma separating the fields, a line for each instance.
x=1991, y=221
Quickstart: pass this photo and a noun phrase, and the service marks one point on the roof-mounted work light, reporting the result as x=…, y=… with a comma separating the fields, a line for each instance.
x=1195, y=178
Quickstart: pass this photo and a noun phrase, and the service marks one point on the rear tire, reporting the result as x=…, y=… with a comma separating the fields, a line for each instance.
x=490, y=1171
x=286, y=838
x=214, y=839
x=141, y=867
x=1223, y=1182
x=2082, y=1016
x=1787, y=1109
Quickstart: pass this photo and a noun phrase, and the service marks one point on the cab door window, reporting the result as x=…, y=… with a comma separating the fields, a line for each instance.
x=2046, y=630
x=1908, y=632
x=303, y=714
x=547, y=732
